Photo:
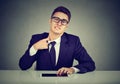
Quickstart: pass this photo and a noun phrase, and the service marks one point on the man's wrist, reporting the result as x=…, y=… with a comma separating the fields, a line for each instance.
x=75, y=69
x=32, y=51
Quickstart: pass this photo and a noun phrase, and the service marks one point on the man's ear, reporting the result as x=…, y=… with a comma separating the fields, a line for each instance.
x=49, y=21
x=66, y=26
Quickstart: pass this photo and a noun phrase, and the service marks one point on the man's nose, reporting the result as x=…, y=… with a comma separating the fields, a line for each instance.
x=60, y=22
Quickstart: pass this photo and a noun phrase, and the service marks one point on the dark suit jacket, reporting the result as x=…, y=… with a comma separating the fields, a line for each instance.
x=70, y=49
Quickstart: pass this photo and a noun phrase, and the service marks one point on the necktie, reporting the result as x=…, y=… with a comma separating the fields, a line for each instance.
x=52, y=53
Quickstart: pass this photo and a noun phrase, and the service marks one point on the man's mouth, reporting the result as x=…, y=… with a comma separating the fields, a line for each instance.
x=57, y=28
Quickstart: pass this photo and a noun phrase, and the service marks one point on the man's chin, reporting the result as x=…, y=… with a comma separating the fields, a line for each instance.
x=58, y=33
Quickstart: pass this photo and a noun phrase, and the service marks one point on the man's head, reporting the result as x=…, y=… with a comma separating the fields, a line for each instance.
x=63, y=10
x=59, y=20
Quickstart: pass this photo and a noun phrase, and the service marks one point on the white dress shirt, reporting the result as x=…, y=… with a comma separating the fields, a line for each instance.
x=57, y=48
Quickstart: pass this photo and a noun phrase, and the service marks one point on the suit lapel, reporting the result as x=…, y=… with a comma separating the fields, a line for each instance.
x=63, y=49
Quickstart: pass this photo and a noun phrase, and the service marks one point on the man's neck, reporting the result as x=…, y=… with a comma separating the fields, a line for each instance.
x=53, y=36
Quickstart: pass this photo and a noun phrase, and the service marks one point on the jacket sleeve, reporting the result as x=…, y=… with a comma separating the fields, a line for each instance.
x=26, y=60
x=85, y=62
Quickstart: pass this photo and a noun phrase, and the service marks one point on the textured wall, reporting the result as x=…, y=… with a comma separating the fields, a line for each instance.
x=96, y=22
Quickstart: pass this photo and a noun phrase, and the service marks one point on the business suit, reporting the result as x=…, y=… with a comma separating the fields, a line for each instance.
x=70, y=49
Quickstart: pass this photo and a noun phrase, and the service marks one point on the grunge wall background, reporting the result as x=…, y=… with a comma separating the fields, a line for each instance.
x=96, y=22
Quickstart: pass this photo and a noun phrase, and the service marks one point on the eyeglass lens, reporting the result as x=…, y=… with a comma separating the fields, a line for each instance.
x=57, y=20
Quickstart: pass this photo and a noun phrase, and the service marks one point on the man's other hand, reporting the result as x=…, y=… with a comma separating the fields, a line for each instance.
x=42, y=44
x=65, y=70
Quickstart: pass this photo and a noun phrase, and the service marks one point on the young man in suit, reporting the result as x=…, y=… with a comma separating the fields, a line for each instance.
x=61, y=55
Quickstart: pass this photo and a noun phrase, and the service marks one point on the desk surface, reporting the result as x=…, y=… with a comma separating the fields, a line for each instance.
x=35, y=77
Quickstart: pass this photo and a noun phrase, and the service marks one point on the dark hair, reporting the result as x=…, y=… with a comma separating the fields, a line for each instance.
x=63, y=10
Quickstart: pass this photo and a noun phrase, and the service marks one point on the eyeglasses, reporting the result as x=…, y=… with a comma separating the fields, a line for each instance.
x=57, y=20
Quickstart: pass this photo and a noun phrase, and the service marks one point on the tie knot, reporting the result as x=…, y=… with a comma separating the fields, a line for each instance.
x=53, y=43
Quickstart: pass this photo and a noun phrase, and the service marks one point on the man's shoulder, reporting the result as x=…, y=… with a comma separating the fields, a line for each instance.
x=70, y=35
x=70, y=38
x=41, y=34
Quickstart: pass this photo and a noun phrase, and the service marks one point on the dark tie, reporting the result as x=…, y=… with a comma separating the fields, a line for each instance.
x=52, y=53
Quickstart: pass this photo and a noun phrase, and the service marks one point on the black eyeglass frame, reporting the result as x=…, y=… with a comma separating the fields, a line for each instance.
x=57, y=20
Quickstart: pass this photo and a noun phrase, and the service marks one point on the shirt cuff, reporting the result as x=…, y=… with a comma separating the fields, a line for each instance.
x=32, y=51
x=76, y=69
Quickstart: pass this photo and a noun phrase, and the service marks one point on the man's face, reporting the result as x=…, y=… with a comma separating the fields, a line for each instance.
x=58, y=23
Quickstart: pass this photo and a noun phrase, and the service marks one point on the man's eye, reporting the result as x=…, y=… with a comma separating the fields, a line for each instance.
x=64, y=21
x=56, y=18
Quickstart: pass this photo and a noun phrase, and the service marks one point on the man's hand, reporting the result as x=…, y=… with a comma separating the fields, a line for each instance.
x=65, y=70
x=42, y=44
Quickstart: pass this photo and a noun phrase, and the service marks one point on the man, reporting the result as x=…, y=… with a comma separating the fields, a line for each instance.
x=61, y=55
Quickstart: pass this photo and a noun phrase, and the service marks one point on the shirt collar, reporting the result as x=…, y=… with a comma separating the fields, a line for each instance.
x=56, y=40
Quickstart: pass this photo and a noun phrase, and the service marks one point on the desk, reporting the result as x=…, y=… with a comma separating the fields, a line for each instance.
x=34, y=77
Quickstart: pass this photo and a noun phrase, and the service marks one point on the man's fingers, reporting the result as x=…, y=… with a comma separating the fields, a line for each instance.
x=59, y=71
x=46, y=40
x=62, y=71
